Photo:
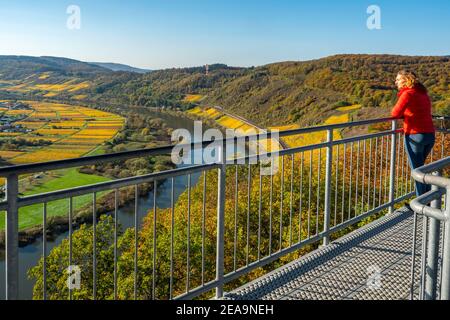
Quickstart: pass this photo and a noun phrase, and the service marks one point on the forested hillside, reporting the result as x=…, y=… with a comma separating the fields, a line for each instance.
x=281, y=93
x=295, y=92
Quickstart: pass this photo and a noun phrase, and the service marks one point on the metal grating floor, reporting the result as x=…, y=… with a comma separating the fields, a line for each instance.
x=341, y=270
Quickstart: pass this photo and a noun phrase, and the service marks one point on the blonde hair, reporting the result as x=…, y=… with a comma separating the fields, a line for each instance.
x=410, y=78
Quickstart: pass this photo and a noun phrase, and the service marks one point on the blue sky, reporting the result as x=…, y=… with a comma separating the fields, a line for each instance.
x=175, y=33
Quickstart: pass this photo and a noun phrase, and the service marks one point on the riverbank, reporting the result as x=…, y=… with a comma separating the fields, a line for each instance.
x=59, y=224
x=30, y=218
x=31, y=251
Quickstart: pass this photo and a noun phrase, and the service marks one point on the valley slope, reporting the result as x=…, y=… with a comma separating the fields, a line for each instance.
x=285, y=93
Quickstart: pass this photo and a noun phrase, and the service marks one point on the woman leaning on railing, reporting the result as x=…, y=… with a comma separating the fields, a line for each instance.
x=414, y=107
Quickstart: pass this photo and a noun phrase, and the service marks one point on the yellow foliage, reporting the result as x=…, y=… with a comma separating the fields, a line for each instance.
x=97, y=132
x=212, y=113
x=67, y=124
x=44, y=76
x=338, y=119
x=50, y=94
x=80, y=141
x=53, y=89
x=196, y=111
x=9, y=134
x=10, y=154
x=313, y=137
x=79, y=97
x=43, y=115
x=33, y=138
x=52, y=132
x=45, y=155
x=349, y=108
x=18, y=112
x=83, y=128
x=207, y=113
x=193, y=97
x=79, y=86
x=32, y=124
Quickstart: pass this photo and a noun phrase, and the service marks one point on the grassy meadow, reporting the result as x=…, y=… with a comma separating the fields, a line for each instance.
x=32, y=215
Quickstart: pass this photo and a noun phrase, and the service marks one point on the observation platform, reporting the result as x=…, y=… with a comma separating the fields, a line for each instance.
x=341, y=271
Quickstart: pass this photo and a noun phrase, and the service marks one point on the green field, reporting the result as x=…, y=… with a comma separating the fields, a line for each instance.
x=32, y=216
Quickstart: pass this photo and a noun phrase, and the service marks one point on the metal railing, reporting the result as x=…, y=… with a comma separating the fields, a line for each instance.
x=435, y=256
x=233, y=222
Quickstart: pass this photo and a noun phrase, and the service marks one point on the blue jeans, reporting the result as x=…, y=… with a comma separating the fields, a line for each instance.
x=418, y=147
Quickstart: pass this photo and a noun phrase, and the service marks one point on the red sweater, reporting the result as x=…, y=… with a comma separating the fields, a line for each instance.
x=414, y=106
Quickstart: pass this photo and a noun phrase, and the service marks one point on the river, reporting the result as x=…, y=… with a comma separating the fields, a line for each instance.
x=30, y=254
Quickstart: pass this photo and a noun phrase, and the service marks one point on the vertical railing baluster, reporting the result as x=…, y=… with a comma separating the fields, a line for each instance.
x=44, y=252
x=386, y=174
x=136, y=227
x=369, y=179
x=220, y=224
x=343, y=183
x=357, y=178
x=249, y=183
x=172, y=232
x=392, y=167
x=236, y=193
x=413, y=258
x=203, y=227
x=397, y=165
x=301, y=198
x=363, y=177
x=403, y=165
x=328, y=177
x=423, y=257
x=336, y=187
x=310, y=191
x=272, y=164
x=411, y=188
x=155, y=213
x=351, y=181
x=260, y=211
x=116, y=225
x=433, y=251
x=281, y=203
x=70, y=240
x=12, y=238
x=319, y=164
x=380, y=186
x=291, y=200
x=188, y=244
x=445, y=282
x=375, y=173
x=94, y=246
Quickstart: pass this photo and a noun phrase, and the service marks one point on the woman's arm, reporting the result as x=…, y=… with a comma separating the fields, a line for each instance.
x=401, y=105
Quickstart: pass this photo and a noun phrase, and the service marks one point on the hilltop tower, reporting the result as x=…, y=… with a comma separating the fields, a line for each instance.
x=207, y=69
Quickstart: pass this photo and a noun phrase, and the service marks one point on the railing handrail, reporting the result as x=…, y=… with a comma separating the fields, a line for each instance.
x=438, y=117
x=13, y=201
x=77, y=162
x=424, y=174
x=434, y=216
